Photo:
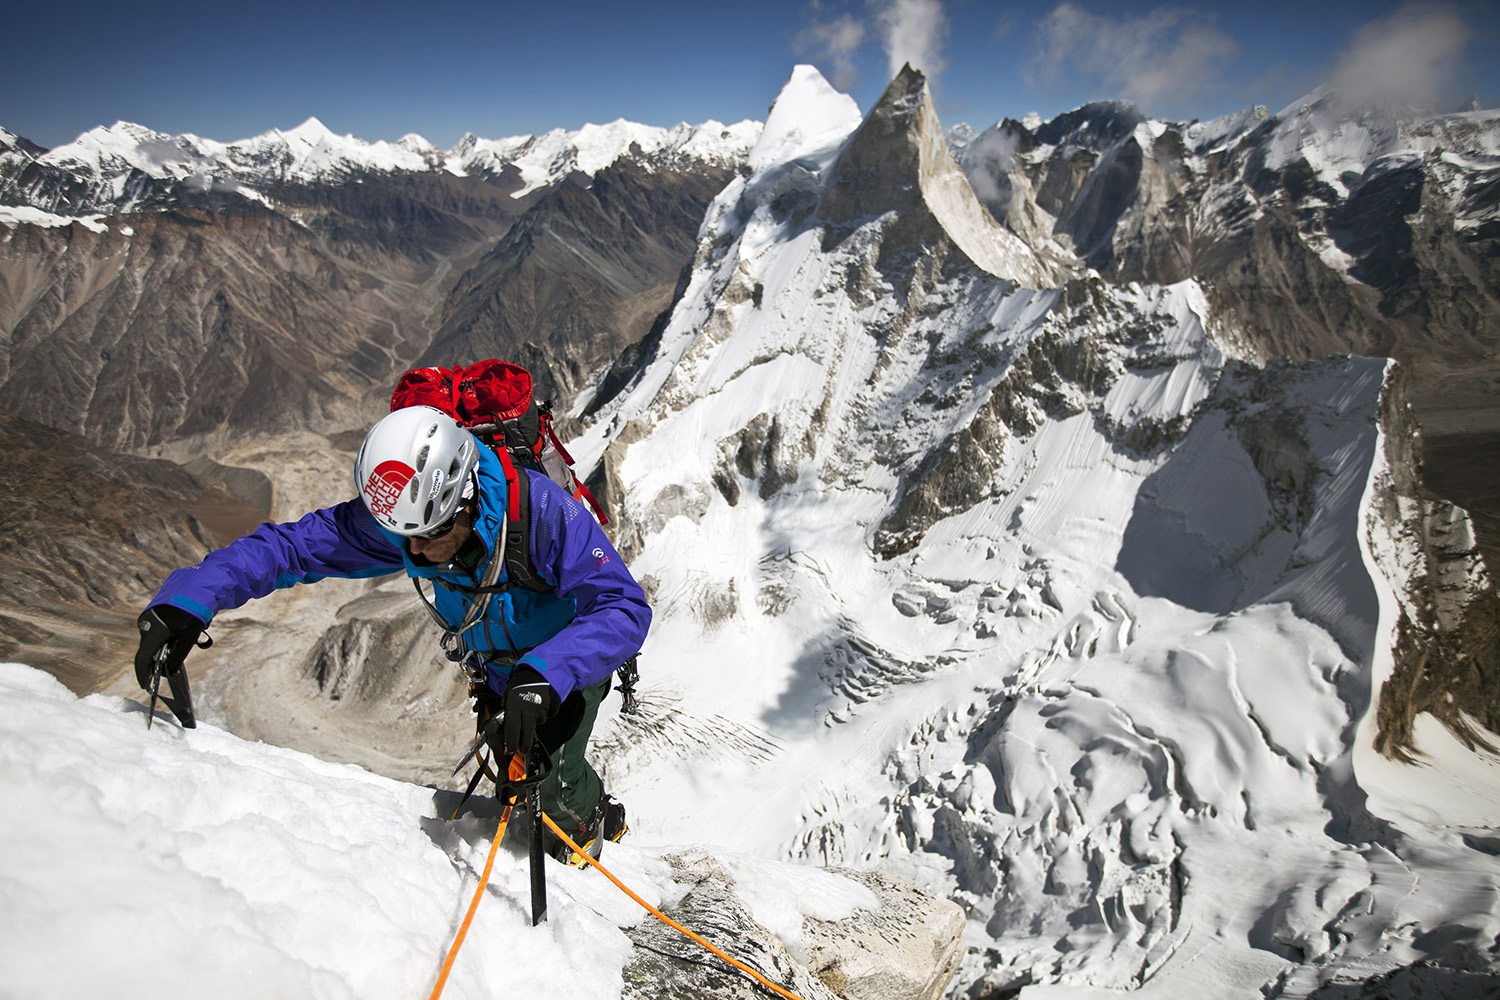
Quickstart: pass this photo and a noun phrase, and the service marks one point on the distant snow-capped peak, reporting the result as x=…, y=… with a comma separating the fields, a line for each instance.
x=545, y=159
x=312, y=152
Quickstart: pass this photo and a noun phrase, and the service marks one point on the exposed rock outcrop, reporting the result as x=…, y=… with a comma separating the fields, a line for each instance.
x=174, y=331
x=906, y=948
x=1447, y=635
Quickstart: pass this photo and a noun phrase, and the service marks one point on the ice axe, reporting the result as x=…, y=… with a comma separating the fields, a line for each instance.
x=528, y=769
x=169, y=664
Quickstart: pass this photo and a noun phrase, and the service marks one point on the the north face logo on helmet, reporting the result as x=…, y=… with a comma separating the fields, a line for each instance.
x=385, y=486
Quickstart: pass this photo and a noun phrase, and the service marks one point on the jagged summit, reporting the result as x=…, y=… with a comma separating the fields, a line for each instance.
x=899, y=158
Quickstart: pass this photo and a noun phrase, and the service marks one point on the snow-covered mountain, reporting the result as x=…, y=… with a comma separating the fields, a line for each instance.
x=1048, y=597
x=1326, y=226
x=1042, y=592
x=214, y=254
x=126, y=167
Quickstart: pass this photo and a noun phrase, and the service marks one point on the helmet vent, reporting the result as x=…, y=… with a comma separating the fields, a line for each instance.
x=411, y=491
x=422, y=457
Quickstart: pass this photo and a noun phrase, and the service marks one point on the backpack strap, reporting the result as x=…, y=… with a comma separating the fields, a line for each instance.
x=518, y=528
x=579, y=490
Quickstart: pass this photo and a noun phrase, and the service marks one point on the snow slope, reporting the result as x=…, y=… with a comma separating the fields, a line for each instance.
x=172, y=863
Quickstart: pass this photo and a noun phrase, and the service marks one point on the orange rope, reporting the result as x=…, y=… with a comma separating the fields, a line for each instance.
x=664, y=918
x=516, y=766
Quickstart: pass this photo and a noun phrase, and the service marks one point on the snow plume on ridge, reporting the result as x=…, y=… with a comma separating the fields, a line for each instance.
x=913, y=32
x=1039, y=596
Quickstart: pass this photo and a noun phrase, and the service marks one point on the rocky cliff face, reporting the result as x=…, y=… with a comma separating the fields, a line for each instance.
x=581, y=277
x=1445, y=654
x=1325, y=228
x=181, y=331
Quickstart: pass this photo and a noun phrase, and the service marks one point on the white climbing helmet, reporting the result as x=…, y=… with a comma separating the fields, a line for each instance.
x=413, y=469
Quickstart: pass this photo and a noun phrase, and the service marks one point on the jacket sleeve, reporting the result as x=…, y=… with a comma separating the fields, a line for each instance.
x=569, y=549
x=338, y=541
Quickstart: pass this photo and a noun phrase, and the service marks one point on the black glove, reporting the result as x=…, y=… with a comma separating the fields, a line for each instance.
x=160, y=625
x=529, y=702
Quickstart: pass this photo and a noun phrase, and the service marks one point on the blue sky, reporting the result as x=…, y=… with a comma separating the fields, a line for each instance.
x=382, y=69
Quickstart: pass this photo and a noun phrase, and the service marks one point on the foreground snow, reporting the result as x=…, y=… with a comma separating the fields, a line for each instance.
x=176, y=863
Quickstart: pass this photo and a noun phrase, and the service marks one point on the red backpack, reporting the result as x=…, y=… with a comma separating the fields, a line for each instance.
x=494, y=400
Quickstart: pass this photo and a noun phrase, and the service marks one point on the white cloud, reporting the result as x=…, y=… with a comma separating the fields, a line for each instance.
x=913, y=32
x=1157, y=59
x=834, y=43
x=1409, y=57
x=908, y=31
x=987, y=162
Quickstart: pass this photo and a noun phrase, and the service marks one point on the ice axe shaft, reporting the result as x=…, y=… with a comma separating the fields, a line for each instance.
x=169, y=664
x=534, y=821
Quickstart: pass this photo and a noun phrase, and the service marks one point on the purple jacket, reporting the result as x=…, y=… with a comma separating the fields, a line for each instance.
x=596, y=619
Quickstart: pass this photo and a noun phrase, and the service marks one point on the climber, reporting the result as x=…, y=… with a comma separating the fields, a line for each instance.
x=433, y=502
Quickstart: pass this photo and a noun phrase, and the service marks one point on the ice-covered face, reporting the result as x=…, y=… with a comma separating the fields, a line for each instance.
x=444, y=547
